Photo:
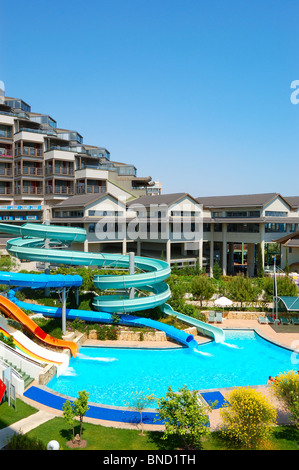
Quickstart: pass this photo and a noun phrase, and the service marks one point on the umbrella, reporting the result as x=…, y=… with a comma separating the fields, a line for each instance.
x=223, y=302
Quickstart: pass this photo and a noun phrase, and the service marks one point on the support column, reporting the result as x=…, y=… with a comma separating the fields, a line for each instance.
x=250, y=259
x=224, y=250
x=131, y=271
x=63, y=314
x=47, y=247
x=231, y=268
x=124, y=246
x=138, y=247
x=200, y=251
x=262, y=232
x=168, y=251
x=212, y=250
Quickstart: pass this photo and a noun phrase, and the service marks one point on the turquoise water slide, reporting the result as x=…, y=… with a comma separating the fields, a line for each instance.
x=149, y=277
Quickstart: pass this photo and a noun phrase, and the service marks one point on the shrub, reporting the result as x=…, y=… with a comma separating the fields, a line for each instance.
x=23, y=442
x=248, y=418
x=286, y=388
x=184, y=416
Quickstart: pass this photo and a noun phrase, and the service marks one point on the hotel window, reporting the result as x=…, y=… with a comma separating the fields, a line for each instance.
x=275, y=228
x=276, y=214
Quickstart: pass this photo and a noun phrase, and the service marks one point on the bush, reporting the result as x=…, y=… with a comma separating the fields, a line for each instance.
x=286, y=388
x=184, y=416
x=23, y=442
x=248, y=418
x=202, y=288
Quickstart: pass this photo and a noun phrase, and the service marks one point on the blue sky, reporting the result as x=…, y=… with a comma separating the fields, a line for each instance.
x=195, y=93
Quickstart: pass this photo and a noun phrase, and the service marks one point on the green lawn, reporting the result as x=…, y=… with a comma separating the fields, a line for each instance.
x=8, y=414
x=105, y=438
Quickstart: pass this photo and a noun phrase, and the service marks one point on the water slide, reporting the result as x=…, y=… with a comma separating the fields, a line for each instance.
x=149, y=277
x=14, y=312
x=33, y=350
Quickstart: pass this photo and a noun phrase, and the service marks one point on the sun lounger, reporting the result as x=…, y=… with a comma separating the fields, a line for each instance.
x=284, y=321
x=270, y=320
x=218, y=317
x=295, y=321
x=263, y=320
x=212, y=316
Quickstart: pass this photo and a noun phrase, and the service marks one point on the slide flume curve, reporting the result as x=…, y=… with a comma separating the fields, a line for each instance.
x=149, y=278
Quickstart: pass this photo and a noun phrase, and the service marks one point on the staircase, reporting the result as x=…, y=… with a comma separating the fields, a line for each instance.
x=26, y=378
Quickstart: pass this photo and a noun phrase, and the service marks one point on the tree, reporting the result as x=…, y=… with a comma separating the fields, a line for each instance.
x=185, y=416
x=80, y=407
x=217, y=271
x=286, y=389
x=202, y=288
x=242, y=289
x=248, y=418
x=69, y=416
x=139, y=402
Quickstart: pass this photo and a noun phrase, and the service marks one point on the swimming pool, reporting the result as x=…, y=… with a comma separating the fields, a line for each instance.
x=113, y=375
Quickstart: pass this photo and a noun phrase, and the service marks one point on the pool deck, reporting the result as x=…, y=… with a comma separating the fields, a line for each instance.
x=284, y=335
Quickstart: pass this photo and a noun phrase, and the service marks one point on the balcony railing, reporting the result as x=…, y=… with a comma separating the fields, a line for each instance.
x=32, y=190
x=59, y=190
x=29, y=151
x=6, y=134
x=91, y=189
x=31, y=171
x=6, y=171
x=59, y=171
x=5, y=153
x=6, y=190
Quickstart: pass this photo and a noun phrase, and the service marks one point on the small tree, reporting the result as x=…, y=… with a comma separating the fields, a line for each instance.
x=286, y=389
x=139, y=402
x=80, y=407
x=217, y=271
x=185, y=416
x=202, y=288
x=248, y=418
x=69, y=416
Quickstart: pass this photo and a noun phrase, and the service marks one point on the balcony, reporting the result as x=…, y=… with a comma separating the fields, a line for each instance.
x=89, y=189
x=5, y=132
x=29, y=190
x=28, y=151
x=29, y=171
x=59, y=171
x=59, y=190
x=5, y=153
x=6, y=191
x=6, y=171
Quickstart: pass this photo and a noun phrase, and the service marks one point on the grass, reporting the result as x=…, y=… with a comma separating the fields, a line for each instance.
x=8, y=414
x=107, y=438
x=104, y=438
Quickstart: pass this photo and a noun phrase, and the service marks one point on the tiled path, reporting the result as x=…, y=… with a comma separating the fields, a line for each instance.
x=284, y=335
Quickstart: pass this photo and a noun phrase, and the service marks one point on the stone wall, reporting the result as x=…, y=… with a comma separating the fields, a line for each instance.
x=128, y=335
x=47, y=374
x=239, y=315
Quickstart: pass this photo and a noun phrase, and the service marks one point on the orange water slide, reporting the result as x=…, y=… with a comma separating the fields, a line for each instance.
x=13, y=311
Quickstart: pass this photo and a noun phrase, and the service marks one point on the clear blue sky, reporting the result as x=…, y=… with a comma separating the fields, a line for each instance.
x=195, y=93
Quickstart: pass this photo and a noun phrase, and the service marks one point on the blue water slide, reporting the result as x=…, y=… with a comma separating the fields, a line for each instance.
x=105, y=317
x=148, y=280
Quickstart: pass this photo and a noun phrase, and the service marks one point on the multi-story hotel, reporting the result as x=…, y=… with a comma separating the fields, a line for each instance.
x=42, y=165
x=49, y=174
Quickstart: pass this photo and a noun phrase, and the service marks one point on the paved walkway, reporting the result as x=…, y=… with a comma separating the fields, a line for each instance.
x=23, y=426
x=284, y=335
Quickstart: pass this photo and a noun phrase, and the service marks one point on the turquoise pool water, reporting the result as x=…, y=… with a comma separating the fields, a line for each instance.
x=112, y=375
